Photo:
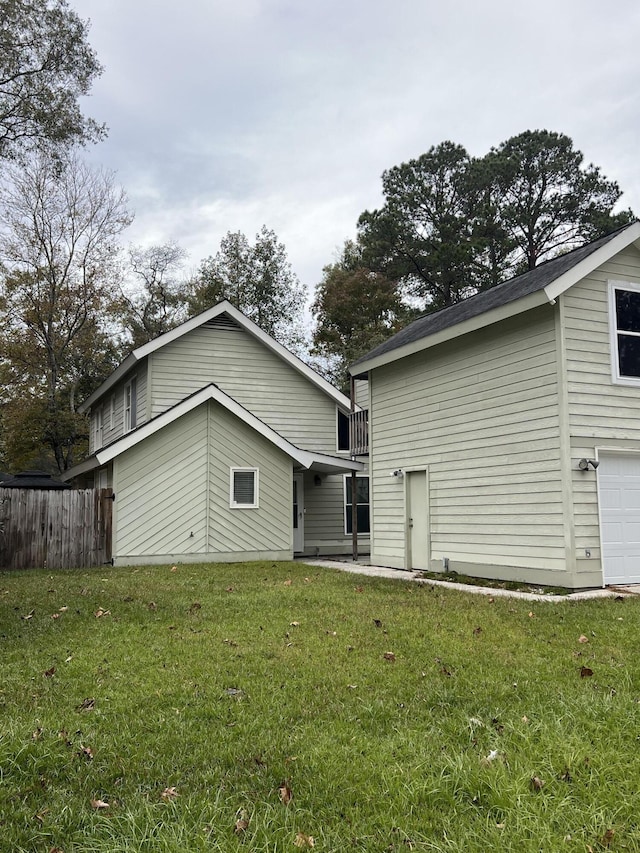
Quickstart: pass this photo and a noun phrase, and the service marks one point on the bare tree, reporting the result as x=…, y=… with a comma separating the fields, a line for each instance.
x=59, y=224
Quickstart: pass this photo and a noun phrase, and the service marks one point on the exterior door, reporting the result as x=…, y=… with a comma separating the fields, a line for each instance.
x=417, y=520
x=298, y=513
x=619, y=496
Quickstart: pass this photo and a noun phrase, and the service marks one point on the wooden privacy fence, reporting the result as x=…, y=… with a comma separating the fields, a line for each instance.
x=55, y=529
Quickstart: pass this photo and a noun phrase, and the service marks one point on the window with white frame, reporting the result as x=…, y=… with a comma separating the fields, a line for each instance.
x=98, y=428
x=362, y=504
x=130, y=404
x=624, y=310
x=243, y=488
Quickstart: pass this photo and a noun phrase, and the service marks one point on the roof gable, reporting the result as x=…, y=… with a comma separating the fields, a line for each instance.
x=303, y=458
x=206, y=317
x=539, y=286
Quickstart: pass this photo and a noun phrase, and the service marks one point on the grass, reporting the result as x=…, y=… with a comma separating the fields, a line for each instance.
x=513, y=586
x=203, y=696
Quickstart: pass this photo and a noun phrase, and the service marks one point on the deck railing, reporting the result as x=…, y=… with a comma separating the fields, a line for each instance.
x=359, y=432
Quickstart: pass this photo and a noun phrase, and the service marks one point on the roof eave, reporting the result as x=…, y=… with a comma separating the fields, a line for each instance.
x=623, y=240
x=472, y=324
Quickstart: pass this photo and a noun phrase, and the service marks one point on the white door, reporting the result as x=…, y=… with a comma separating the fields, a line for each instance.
x=417, y=520
x=619, y=495
x=298, y=513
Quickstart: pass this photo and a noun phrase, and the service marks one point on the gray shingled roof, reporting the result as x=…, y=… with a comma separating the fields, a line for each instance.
x=516, y=288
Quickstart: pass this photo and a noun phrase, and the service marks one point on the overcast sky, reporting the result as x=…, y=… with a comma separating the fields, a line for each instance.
x=225, y=115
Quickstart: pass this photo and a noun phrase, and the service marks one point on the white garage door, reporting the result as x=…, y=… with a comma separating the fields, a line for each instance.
x=619, y=488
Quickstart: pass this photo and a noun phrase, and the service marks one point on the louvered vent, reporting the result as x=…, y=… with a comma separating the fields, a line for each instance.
x=222, y=321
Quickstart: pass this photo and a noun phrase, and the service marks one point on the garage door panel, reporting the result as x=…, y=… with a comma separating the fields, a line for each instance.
x=619, y=494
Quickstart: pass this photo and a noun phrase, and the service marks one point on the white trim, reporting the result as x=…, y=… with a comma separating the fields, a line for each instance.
x=233, y=504
x=625, y=238
x=345, y=479
x=112, y=412
x=130, y=411
x=547, y=295
x=98, y=427
x=616, y=376
x=248, y=325
x=304, y=458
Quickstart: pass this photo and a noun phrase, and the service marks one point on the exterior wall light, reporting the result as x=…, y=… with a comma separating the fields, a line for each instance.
x=585, y=464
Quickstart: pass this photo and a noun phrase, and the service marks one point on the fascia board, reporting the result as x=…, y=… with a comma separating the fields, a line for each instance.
x=594, y=260
x=109, y=382
x=248, y=325
x=495, y=315
x=211, y=392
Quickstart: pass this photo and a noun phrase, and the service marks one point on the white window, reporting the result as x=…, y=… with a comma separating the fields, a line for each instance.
x=362, y=501
x=244, y=488
x=130, y=403
x=624, y=316
x=112, y=411
x=98, y=425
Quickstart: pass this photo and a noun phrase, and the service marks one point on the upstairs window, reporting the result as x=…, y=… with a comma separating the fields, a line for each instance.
x=130, y=405
x=98, y=429
x=343, y=431
x=244, y=488
x=624, y=306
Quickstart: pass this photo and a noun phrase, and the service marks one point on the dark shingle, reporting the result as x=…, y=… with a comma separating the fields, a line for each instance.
x=516, y=288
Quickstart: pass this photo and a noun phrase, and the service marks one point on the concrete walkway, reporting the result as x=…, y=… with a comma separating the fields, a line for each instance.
x=400, y=574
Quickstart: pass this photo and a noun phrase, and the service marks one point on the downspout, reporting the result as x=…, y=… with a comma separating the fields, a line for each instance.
x=354, y=491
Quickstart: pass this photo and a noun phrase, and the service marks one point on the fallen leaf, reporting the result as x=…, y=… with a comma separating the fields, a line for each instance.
x=231, y=643
x=288, y=582
x=152, y=605
x=40, y=816
x=169, y=793
x=86, y=752
x=49, y=673
x=389, y=656
x=100, y=612
x=195, y=607
x=566, y=775
x=531, y=614
x=477, y=631
x=294, y=624
x=63, y=609
x=332, y=633
x=488, y=759
x=377, y=623
x=69, y=659
x=583, y=639
x=536, y=783
x=55, y=615
x=352, y=686
x=359, y=589
x=285, y=793
x=174, y=568
x=86, y=705
x=302, y=840
x=36, y=735
x=99, y=804
x=525, y=719
x=607, y=838
x=491, y=600
x=56, y=850
x=585, y=672
x=242, y=821
x=28, y=616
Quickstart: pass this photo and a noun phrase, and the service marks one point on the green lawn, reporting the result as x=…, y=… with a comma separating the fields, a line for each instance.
x=397, y=716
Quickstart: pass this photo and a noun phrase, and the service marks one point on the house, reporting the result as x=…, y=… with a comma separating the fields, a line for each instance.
x=220, y=444
x=504, y=431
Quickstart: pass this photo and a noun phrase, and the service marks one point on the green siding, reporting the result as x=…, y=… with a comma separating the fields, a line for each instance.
x=253, y=375
x=172, y=499
x=111, y=434
x=602, y=414
x=481, y=414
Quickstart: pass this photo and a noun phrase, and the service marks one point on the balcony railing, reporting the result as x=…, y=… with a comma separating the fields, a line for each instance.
x=359, y=433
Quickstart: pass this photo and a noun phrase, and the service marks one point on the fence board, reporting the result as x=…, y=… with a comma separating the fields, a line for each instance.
x=55, y=529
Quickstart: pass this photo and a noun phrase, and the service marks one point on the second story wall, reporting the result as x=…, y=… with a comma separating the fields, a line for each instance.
x=110, y=409
x=225, y=354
